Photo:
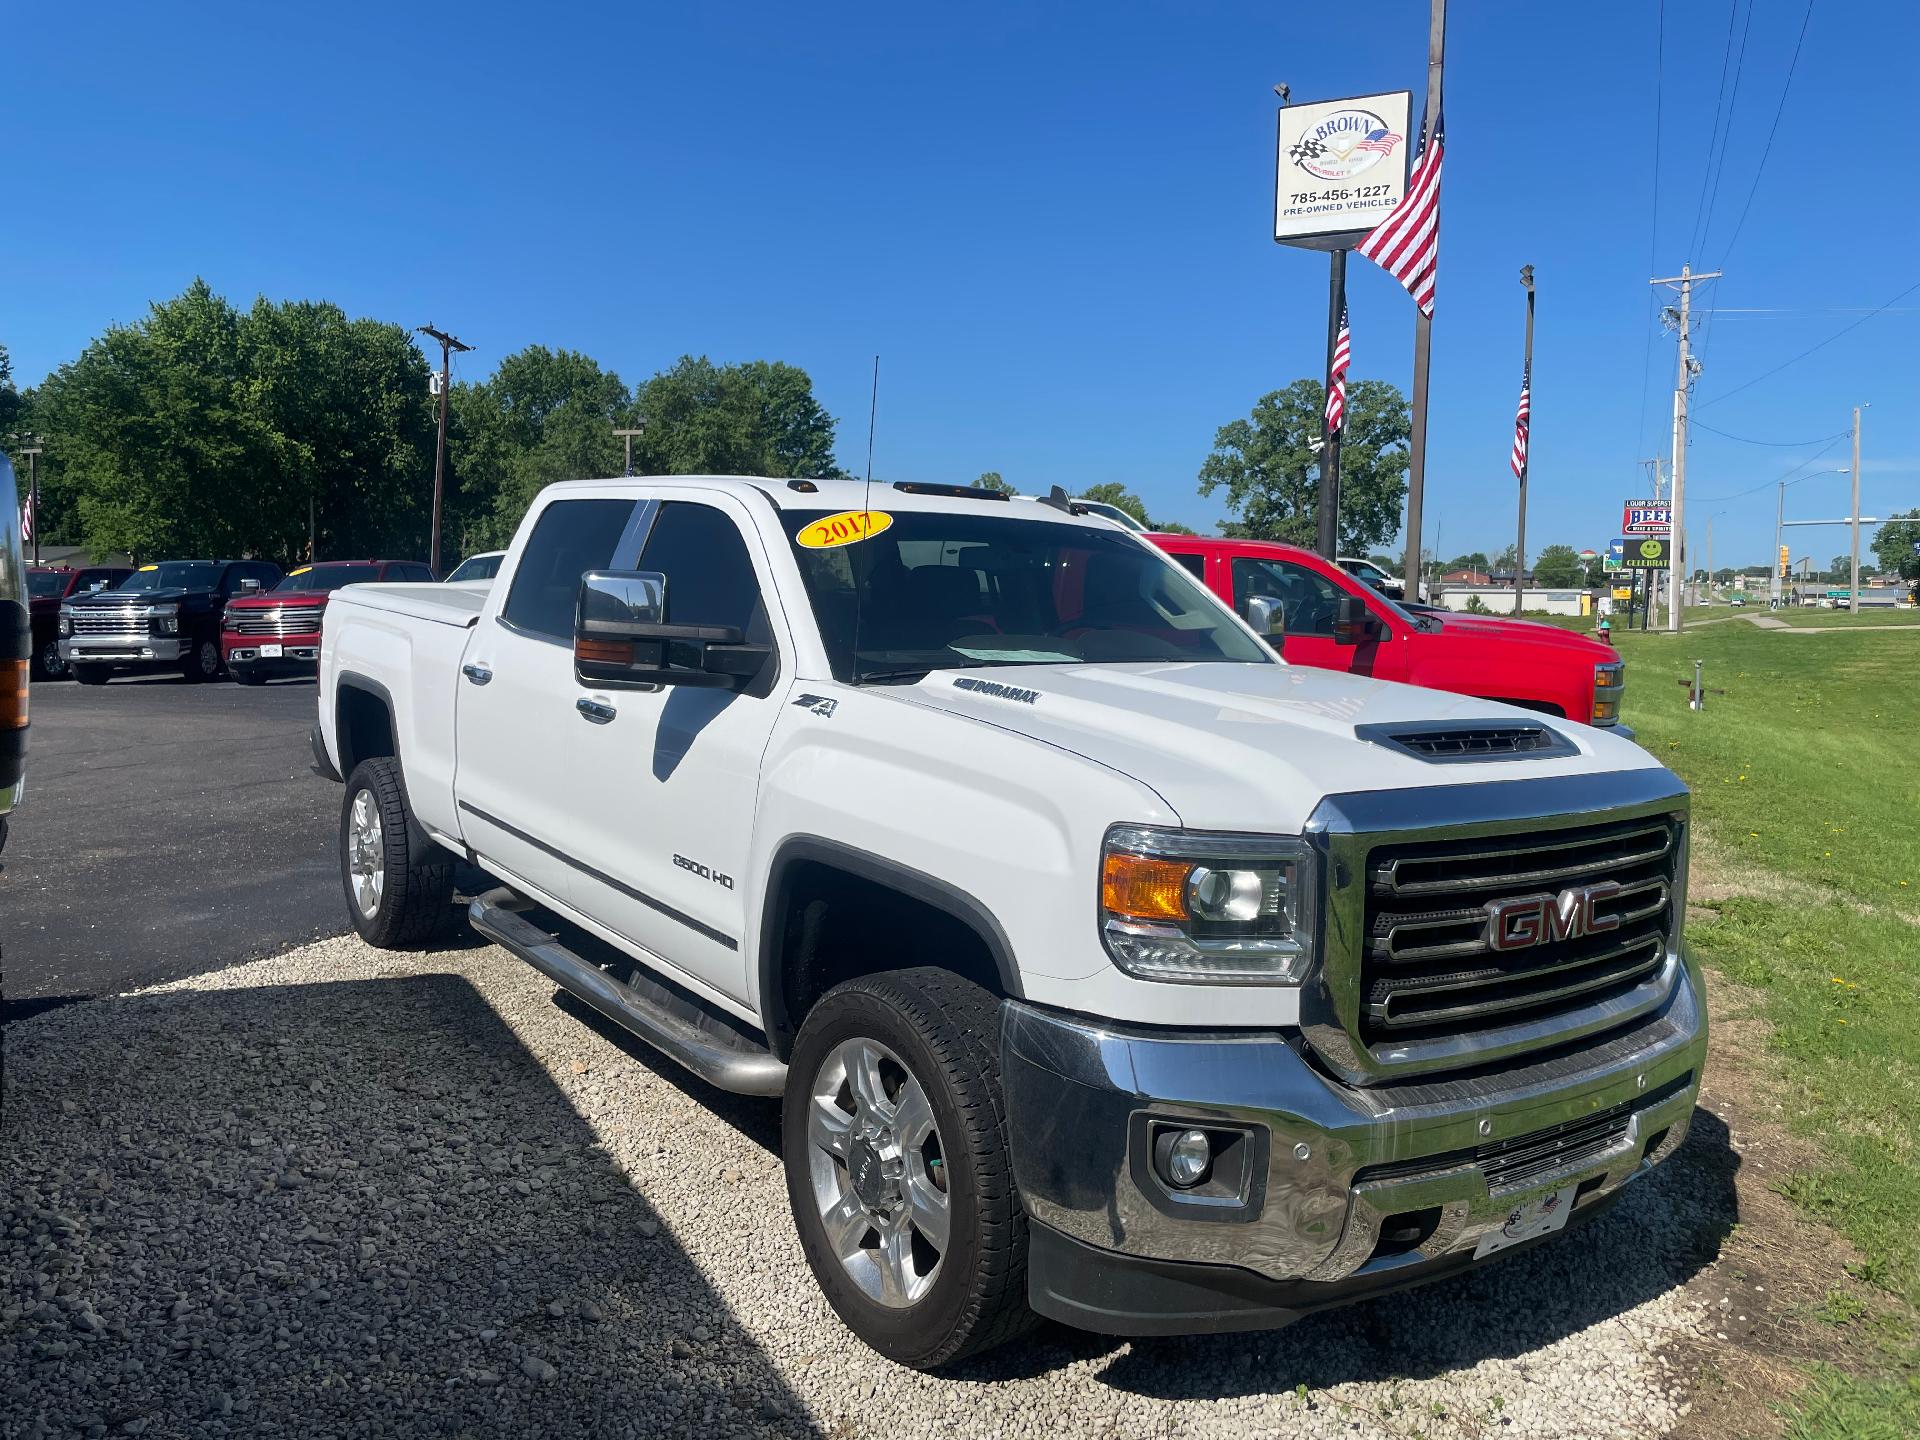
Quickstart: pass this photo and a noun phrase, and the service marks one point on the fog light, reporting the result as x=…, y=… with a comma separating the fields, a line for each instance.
x=1188, y=1158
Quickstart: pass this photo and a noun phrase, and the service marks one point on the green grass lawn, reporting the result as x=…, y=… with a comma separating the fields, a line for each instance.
x=1801, y=618
x=1806, y=877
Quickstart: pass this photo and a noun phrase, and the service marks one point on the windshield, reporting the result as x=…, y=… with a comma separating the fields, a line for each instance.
x=326, y=577
x=41, y=584
x=945, y=591
x=478, y=567
x=174, y=575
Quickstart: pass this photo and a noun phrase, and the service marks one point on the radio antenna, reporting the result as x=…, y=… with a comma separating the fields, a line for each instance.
x=866, y=505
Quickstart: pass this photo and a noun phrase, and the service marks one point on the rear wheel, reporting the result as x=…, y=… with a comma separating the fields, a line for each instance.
x=894, y=1138
x=48, y=663
x=399, y=884
x=92, y=674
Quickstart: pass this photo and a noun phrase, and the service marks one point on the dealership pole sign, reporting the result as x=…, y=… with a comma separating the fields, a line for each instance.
x=1647, y=552
x=1342, y=168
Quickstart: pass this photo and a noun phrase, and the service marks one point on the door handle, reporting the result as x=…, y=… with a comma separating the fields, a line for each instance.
x=478, y=674
x=597, y=711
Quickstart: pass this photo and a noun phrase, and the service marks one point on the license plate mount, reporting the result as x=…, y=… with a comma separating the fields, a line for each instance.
x=270, y=652
x=1541, y=1215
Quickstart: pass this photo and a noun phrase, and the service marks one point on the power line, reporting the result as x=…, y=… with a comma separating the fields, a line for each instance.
x=1772, y=130
x=1713, y=135
x=1726, y=137
x=1786, y=479
x=1783, y=444
x=1845, y=329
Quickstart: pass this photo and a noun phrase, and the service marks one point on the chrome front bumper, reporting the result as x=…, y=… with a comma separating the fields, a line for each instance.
x=127, y=649
x=1348, y=1186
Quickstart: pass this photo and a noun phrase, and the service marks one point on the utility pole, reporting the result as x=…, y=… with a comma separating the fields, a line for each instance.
x=628, y=436
x=1526, y=379
x=1423, y=322
x=1853, y=583
x=1327, y=516
x=447, y=344
x=1683, y=381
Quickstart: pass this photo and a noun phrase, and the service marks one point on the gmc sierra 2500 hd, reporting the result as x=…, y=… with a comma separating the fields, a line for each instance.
x=1108, y=966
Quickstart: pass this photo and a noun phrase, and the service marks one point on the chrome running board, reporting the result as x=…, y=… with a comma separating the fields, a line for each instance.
x=674, y=1025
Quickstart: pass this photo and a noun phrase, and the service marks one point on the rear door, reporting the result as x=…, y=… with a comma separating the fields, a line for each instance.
x=516, y=778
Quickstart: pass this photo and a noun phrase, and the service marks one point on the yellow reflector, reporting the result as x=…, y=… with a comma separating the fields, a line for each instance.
x=1606, y=709
x=13, y=694
x=1144, y=889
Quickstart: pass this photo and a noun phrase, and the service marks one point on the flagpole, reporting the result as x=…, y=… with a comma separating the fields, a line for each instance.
x=1423, y=325
x=1327, y=536
x=1526, y=455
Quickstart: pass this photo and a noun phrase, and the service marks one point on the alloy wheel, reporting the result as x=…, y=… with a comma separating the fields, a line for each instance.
x=878, y=1172
x=366, y=854
x=52, y=665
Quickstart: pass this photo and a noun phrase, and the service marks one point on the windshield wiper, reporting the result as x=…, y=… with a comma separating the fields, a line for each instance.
x=905, y=675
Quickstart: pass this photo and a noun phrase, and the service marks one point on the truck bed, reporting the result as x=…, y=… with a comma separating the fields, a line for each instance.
x=442, y=604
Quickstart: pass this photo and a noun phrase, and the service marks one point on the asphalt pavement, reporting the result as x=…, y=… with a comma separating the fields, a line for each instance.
x=168, y=829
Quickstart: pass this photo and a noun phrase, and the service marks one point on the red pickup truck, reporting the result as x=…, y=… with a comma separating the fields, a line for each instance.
x=47, y=588
x=1317, y=614
x=277, y=631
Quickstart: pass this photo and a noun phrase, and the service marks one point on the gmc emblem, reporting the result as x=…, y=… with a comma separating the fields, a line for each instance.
x=1530, y=920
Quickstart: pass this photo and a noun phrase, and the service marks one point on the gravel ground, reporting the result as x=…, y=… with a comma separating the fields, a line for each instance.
x=347, y=1193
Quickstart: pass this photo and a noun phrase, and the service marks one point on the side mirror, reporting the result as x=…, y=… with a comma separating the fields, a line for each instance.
x=1267, y=614
x=621, y=641
x=1353, y=623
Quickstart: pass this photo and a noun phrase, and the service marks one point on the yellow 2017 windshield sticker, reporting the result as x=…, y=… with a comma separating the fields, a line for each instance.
x=145, y=568
x=849, y=527
x=301, y=571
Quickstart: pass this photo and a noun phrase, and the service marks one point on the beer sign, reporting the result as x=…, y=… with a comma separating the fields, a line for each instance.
x=1647, y=517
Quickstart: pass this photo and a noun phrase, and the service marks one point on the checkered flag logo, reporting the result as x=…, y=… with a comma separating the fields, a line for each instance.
x=1306, y=149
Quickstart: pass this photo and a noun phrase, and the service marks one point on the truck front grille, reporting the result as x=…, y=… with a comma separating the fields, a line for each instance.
x=286, y=620
x=108, y=622
x=1460, y=935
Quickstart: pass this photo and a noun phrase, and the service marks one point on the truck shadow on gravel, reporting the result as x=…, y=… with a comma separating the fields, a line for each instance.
x=358, y=1206
x=1665, y=1229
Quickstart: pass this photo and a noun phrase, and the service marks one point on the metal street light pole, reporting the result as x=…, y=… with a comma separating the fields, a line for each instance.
x=1853, y=580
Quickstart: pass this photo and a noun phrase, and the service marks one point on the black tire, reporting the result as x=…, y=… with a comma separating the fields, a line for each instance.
x=91, y=674
x=413, y=902
x=202, y=665
x=945, y=1031
x=246, y=675
x=48, y=663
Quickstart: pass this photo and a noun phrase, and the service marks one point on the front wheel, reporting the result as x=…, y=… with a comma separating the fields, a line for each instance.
x=894, y=1138
x=399, y=884
x=203, y=663
x=48, y=663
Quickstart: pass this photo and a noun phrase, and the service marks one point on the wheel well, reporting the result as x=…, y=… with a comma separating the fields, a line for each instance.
x=1539, y=707
x=363, y=727
x=830, y=922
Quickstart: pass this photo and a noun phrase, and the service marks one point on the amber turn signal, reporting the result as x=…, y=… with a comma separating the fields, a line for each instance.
x=1144, y=889
x=13, y=694
x=603, y=652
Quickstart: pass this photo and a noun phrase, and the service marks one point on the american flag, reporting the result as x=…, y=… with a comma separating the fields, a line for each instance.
x=26, y=518
x=1382, y=140
x=1337, y=375
x=1522, y=422
x=1407, y=243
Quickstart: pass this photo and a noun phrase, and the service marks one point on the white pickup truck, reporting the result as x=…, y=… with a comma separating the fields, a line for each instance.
x=1108, y=967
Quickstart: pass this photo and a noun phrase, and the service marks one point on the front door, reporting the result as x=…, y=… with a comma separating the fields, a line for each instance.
x=515, y=778
x=1310, y=598
x=664, y=781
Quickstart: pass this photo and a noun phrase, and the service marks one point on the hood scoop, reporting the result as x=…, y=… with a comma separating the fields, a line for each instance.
x=1446, y=742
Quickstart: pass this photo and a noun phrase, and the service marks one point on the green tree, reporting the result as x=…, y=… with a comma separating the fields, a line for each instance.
x=1506, y=560
x=1557, y=568
x=1476, y=560
x=1112, y=492
x=10, y=402
x=1172, y=527
x=757, y=418
x=1897, y=545
x=990, y=480
x=1840, y=570
x=1270, y=472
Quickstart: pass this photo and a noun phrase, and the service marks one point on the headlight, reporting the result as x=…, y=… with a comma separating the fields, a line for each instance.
x=166, y=621
x=1198, y=908
x=66, y=623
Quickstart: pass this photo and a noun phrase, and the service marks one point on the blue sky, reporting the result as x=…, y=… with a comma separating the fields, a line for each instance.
x=1050, y=221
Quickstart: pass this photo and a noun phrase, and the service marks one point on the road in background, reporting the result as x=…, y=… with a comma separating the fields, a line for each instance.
x=168, y=829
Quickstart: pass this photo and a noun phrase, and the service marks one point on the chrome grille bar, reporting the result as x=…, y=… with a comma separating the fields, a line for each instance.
x=1388, y=946
x=1641, y=846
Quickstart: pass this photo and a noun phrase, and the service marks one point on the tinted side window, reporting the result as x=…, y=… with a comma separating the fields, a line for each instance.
x=710, y=579
x=409, y=572
x=1194, y=565
x=1309, y=597
x=570, y=538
